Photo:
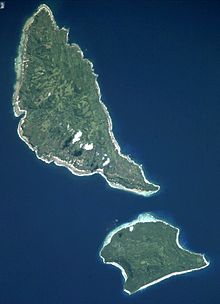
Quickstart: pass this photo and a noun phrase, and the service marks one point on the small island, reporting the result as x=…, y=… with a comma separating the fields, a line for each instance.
x=62, y=117
x=147, y=251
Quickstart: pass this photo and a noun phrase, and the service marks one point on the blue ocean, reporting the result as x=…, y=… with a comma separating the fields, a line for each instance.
x=159, y=73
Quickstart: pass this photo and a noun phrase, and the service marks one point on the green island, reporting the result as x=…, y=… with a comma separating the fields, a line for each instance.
x=62, y=117
x=147, y=251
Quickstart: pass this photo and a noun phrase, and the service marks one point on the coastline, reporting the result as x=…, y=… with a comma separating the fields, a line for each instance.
x=144, y=218
x=19, y=68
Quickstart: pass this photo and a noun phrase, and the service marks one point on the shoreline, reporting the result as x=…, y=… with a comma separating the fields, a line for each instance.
x=145, y=218
x=19, y=68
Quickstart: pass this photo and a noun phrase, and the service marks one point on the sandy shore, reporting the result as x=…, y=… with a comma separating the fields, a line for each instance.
x=144, y=218
x=20, y=68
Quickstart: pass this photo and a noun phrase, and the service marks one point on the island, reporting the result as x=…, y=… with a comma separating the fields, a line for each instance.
x=147, y=251
x=62, y=117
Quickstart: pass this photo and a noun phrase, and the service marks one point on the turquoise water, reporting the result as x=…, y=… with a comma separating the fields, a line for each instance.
x=159, y=67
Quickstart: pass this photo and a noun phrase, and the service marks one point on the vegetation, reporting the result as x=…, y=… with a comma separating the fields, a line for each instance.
x=58, y=90
x=148, y=253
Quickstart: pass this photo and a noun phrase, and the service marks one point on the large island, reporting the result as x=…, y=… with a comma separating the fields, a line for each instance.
x=147, y=251
x=63, y=119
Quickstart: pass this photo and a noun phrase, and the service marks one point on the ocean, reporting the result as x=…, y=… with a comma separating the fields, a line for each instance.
x=159, y=73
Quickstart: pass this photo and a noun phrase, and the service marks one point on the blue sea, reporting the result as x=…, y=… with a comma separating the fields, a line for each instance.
x=159, y=73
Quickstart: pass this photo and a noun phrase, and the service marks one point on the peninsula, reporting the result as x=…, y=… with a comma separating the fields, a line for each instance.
x=62, y=117
x=147, y=251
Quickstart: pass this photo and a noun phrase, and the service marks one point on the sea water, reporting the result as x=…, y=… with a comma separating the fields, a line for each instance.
x=158, y=67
